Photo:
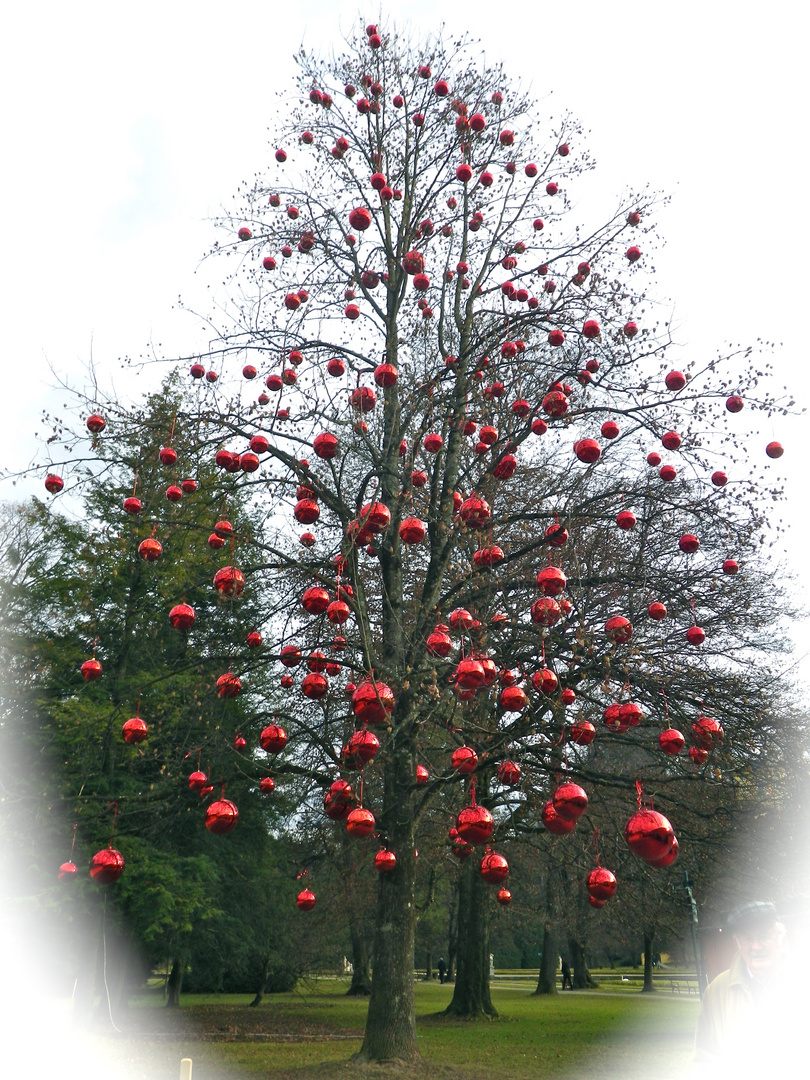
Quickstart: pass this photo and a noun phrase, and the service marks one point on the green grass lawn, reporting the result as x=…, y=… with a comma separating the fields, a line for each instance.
x=314, y=1031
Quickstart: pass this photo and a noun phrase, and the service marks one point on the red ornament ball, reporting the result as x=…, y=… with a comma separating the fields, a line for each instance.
x=305, y=900
x=134, y=731
x=494, y=868
x=601, y=883
x=221, y=816
x=106, y=866
x=649, y=835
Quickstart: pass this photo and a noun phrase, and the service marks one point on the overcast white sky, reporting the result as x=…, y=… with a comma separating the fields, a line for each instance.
x=125, y=128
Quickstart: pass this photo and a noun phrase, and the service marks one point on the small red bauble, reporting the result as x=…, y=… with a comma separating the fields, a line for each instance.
x=494, y=868
x=174, y=493
x=513, y=699
x=412, y=530
x=626, y=519
x=568, y=696
x=229, y=581
x=385, y=861
x=633, y=254
x=360, y=822
x=91, y=669
x=464, y=760
x=601, y=883
x=582, y=733
x=730, y=566
x=551, y=581
x=360, y=218
x=305, y=900
x=545, y=611
x=719, y=478
x=509, y=773
x=610, y=429
x=587, y=450
x=267, y=785
x=689, y=543
x=666, y=472
x=657, y=611
x=698, y=755
x=570, y=801
x=197, y=781
x=221, y=816
x=734, y=404
x=106, y=866
x=182, y=616
x=774, y=450
x=545, y=681
x=556, y=535
x=254, y=639
x=675, y=380
x=671, y=440
x=422, y=775
x=475, y=824
x=619, y=629
x=315, y=600
x=150, y=549
x=315, y=686
x=504, y=896
x=273, y=739
x=671, y=741
x=67, y=870
x=373, y=702
x=134, y=731
x=707, y=732
x=168, y=455
x=695, y=635
x=132, y=505
x=96, y=423
x=229, y=685
x=555, y=824
x=649, y=835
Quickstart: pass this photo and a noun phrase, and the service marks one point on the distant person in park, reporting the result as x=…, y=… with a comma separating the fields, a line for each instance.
x=442, y=969
x=566, y=974
x=749, y=1020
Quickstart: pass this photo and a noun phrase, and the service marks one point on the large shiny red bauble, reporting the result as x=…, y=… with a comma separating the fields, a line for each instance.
x=475, y=512
x=439, y=643
x=229, y=581
x=197, y=781
x=221, y=816
x=385, y=861
x=619, y=630
x=601, y=883
x=339, y=800
x=469, y=674
x=587, y=450
x=315, y=600
x=150, y=549
x=689, y=543
x=91, y=669
x=649, y=835
x=106, y=866
x=509, y=773
x=464, y=760
x=412, y=530
x=554, y=823
x=362, y=399
x=96, y=423
x=305, y=900
x=315, y=686
x=461, y=619
x=229, y=685
x=475, y=824
x=338, y=612
x=132, y=505
x=545, y=611
x=168, y=455
x=545, y=681
x=730, y=566
x=626, y=520
x=363, y=746
x=67, y=870
x=54, y=483
x=273, y=739
x=657, y=611
x=494, y=868
x=671, y=741
x=325, y=445
x=306, y=511
x=373, y=702
x=551, y=581
x=570, y=801
x=582, y=733
x=675, y=380
x=513, y=699
x=695, y=635
x=182, y=616
x=707, y=732
x=290, y=656
x=134, y=731
x=360, y=822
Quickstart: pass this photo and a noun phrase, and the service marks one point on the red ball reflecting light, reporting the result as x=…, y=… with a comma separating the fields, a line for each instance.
x=106, y=866
x=649, y=835
x=360, y=822
x=385, y=861
x=91, y=669
x=554, y=823
x=134, y=731
x=601, y=883
x=475, y=824
x=67, y=870
x=570, y=801
x=494, y=868
x=221, y=816
x=305, y=900
x=182, y=616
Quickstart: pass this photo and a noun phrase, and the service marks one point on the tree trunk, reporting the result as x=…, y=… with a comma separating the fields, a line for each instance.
x=580, y=976
x=547, y=978
x=361, y=973
x=175, y=983
x=452, y=939
x=428, y=966
x=262, y=983
x=391, y=1021
x=648, y=987
x=471, y=998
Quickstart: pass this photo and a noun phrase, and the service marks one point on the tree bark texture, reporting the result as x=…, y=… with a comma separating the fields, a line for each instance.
x=547, y=977
x=471, y=997
x=580, y=976
x=361, y=972
x=648, y=987
x=175, y=983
